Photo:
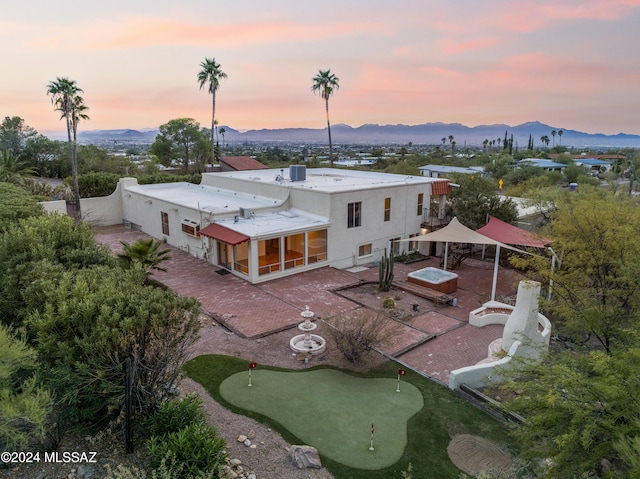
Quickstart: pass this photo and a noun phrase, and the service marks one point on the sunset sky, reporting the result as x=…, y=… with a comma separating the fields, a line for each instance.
x=573, y=64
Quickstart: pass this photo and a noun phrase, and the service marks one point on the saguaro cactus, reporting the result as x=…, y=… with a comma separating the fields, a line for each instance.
x=385, y=272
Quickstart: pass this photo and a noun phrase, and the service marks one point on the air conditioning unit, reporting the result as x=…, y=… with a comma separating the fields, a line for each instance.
x=297, y=172
x=245, y=213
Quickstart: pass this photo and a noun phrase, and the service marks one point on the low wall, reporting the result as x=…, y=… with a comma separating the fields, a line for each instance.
x=481, y=375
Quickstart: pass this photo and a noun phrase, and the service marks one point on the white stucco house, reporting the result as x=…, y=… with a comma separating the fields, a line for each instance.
x=265, y=224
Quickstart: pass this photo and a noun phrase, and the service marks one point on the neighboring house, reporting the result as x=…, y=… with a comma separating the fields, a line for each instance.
x=594, y=166
x=547, y=165
x=266, y=224
x=240, y=163
x=439, y=171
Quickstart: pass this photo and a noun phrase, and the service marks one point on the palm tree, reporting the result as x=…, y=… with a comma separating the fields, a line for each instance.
x=145, y=253
x=65, y=96
x=553, y=134
x=13, y=170
x=222, y=131
x=326, y=83
x=560, y=132
x=211, y=74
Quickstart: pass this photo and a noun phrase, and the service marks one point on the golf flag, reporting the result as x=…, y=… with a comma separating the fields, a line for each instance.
x=402, y=372
x=371, y=448
x=253, y=365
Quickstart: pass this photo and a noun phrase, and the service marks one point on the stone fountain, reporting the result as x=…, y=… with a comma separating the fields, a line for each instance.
x=307, y=342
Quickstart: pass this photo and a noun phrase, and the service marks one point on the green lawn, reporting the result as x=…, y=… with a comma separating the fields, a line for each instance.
x=442, y=416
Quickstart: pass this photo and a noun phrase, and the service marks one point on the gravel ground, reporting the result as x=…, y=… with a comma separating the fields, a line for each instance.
x=270, y=459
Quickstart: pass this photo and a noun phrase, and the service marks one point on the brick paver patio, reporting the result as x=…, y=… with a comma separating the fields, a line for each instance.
x=438, y=340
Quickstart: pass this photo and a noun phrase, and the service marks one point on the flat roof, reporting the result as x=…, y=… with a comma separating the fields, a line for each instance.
x=204, y=198
x=326, y=179
x=211, y=199
x=275, y=223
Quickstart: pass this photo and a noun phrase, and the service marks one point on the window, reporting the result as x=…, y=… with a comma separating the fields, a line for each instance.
x=387, y=209
x=395, y=246
x=364, y=250
x=317, y=246
x=191, y=228
x=164, y=217
x=413, y=245
x=268, y=256
x=241, y=257
x=294, y=251
x=420, y=203
x=354, y=211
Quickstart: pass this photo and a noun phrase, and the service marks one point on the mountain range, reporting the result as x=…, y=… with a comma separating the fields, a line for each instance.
x=373, y=134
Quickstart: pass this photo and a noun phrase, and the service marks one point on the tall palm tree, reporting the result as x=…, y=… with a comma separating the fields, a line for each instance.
x=560, y=132
x=553, y=134
x=65, y=96
x=326, y=83
x=211, y=74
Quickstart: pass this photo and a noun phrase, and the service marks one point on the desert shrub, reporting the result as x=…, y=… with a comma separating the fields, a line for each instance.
x=388, y=303
x=177, y=414
x=94, y=319
x=358, y=333
x=182, y=444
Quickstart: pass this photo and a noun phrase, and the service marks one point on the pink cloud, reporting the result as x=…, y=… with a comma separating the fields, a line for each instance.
x=137, y=32
x=450, y=46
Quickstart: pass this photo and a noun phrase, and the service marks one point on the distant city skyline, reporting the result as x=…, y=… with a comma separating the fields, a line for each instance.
x=568, y=63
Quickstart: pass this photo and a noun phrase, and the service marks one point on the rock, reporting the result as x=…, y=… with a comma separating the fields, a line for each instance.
x=304, y=457
x=251, y=434
x=252, y=446
x=242, y=438
x=235, y=462
x=85, y=472
x=251, y=476
x=247, y=442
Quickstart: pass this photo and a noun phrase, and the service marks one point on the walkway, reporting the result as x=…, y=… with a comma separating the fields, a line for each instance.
x=438, y=339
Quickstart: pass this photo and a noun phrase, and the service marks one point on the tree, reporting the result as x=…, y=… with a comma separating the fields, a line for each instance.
x=222, y=131
x=597, y=289
x=560, y=132
x=65, y=95
x=14, y=134
x=326, y=83
x=553, y=134
x=178, y=140
x=545, y=140
x=581, y=411
x=210, y=75
x=145, y=254
x=476, y=198
x=93, y=320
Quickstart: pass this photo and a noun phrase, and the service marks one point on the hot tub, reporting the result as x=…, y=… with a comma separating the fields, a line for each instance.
x=434, y=278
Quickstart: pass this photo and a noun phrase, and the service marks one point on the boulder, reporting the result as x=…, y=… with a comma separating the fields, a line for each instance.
x=305, y=457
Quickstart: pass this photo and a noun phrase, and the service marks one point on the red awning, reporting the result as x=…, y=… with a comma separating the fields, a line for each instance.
x=505, y=233
x=440, y=188
x=226, y=235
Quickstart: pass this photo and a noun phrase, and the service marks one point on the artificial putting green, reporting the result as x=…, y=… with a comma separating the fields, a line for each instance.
x=332, y=411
